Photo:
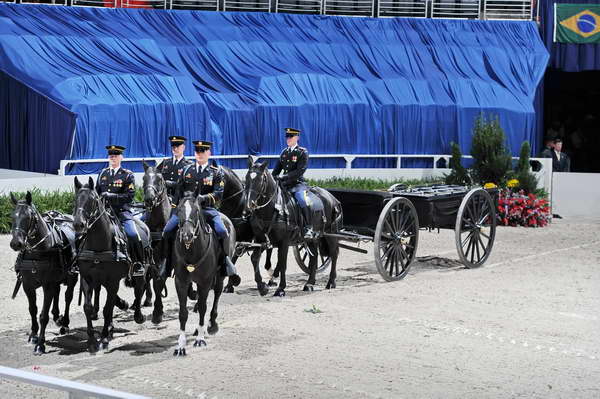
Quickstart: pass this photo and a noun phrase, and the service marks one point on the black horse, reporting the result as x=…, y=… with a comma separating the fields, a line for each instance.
x=197, y=257
x=102, y=260
x=158, y=211
x=45, y=259
x=272, y=213
x=232, y=206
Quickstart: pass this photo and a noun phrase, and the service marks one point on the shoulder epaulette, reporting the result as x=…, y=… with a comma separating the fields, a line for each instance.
x=214, y=167
x=127, y=171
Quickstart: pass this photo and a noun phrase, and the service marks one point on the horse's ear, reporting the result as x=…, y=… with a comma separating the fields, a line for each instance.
x=250, y=161
x=91, y=183
x=28, y=198
x=263, y=166
x=13, y=199
x=146, y=166
x=77, y=184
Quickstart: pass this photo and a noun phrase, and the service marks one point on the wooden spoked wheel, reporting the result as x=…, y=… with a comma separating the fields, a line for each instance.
x=396, y=239
x=475, y=229
x=302, y=257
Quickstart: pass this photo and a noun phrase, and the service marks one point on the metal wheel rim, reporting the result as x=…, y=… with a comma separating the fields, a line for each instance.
x=475, y=228
x=301, y=256
x=396, y=239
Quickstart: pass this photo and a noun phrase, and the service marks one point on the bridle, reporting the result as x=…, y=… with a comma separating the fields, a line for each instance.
x=196, y=229
x=158, y=195
x=98, y=212
x=254, y=206
x=32, y=229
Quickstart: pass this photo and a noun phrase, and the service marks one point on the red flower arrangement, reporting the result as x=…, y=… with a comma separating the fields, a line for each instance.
x=520, y=209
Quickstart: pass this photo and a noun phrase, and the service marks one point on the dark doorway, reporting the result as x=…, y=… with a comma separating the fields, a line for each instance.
x=572, y=112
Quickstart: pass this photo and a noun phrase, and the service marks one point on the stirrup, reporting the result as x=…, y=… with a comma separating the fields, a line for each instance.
x=309, y=234
x=137, y=269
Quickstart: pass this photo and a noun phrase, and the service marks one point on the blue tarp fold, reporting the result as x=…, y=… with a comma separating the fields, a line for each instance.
x=352, y=85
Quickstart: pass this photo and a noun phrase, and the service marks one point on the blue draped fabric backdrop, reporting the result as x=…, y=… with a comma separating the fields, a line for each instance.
x=36, y=133
x=352, y=85
x=564, y=56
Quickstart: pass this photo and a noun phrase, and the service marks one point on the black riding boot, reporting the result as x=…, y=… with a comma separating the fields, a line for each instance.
x=309, y=234
x=137, y=257
x=228, y=267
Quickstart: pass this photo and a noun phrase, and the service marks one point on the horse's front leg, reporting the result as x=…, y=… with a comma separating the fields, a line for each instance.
x=88, y=308
x=263, y=289
x=139, y=287
x=65, y=320
x=49, y=296
x=181, y=285
x=111, y=297
x=213, y=327
x=282, y=252
x=200, y=332
x=158, y=284
x=29, y=290
x=96, y=307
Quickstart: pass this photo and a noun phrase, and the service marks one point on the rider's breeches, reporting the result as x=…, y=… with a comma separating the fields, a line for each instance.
x=130, y=230
x=171, y=223
x=213, y=217
x=301, y=198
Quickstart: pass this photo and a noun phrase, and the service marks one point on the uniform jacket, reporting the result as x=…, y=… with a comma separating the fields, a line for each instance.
x=123, y=184
x=171, y=172
x=208, y=182
x=293, y=164
x=560, y=163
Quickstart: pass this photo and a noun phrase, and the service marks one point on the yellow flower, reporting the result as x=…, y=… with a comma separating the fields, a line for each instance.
x=489, y=185
x=512, y=183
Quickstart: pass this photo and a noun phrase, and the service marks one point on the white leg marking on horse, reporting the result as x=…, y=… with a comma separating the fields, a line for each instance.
x=188, y=210
x=181, y=341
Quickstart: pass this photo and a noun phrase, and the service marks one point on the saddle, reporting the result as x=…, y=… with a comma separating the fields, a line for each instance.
x=313, y=202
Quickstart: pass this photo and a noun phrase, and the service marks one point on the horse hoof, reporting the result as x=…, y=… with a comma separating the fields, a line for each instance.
x=104, y=344
x=33, y=339
x=199, y=343
x=271, y=283
x=263, y=289
x=235, y=280
x=279, y=293
x=94, y=316
x=228, y=289
x=93, y=347
x=157, y=318
x=213, y=328
x=330, y=286
x=39, y=349
x=122, y=305
x=139, y=318
x=147, y=303
x=308, y=288
x=179, y=352
x=64, y=330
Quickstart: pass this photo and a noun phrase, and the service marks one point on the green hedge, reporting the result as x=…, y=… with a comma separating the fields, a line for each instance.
x=62, y=201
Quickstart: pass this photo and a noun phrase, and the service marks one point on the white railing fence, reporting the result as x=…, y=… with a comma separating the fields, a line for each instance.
x=458, y=9
x=72, y=389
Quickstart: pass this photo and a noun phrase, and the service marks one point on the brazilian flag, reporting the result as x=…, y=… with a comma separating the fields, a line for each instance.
x=577, y=23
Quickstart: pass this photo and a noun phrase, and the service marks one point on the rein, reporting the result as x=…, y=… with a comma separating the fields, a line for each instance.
x=30, y=233
x=197, y=229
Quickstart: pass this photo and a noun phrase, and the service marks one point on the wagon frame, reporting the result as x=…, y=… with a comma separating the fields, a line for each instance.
x=393, y=219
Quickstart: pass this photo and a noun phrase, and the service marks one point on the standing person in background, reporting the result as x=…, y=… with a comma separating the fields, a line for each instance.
x=560, y=160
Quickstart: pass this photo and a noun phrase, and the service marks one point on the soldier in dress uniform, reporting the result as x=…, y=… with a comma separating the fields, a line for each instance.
x=117, y=186
x=293, y=162
x=172, y=168
x=207, y=182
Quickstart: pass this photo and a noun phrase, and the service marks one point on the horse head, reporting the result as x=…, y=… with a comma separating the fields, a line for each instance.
x=154, y=187
x=88, y=206
x=191, y=221
x=24, y=219
x=259, y=185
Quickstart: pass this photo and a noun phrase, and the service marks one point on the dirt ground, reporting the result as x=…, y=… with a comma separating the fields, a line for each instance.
x=524, y=325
